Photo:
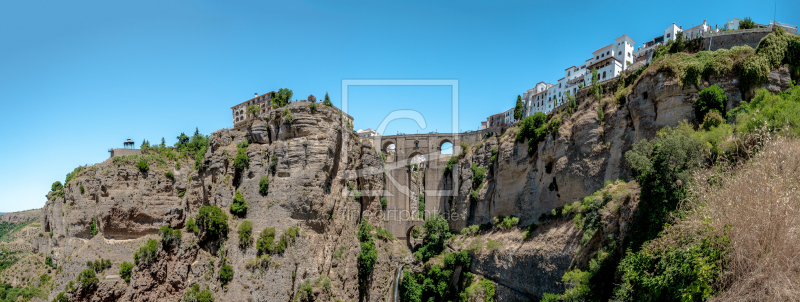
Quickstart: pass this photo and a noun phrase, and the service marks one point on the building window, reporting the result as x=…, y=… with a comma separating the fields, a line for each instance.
x=619, y=53
x=603, y=55
x=629, y=54
x=568, y=73
x=604, y=74
x=668, y=34
x=597, y=58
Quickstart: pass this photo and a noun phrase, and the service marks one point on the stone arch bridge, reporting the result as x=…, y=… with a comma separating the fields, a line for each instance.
x=404, y=185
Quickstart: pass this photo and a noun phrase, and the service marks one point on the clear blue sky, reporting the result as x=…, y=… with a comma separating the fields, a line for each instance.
x=79, y=77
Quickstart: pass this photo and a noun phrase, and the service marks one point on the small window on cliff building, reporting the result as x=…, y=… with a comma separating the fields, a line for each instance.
x=644, y=95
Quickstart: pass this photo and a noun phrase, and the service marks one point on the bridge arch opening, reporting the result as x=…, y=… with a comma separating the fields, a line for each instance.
x=416, y=161
x=446, y=147
x=389, y=147
x=412, y=235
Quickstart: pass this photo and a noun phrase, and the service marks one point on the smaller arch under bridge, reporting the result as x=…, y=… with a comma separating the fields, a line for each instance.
x=404, y=186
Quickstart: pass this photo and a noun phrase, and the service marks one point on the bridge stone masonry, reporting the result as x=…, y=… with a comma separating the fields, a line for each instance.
x=404, y=185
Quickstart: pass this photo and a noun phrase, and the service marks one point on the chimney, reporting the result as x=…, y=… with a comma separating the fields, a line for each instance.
x=256, y=95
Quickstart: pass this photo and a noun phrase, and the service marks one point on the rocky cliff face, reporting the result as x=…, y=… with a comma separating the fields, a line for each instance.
x=576, y=162
x=308, y=158
x=305, y=158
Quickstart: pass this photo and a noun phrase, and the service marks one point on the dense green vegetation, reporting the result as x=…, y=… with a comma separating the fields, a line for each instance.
x=238, y=206
x=147, y=253
x=125, y=271
x=266, y=244
x=535, y=128
x=169, y=237
x=662, y=263
x=367, y=256
x=437, y=232
x=212, y=221
x=99, y=265
x=283, y=97
x=421, y=206
x=226, y=274
x=9, y=293
x=433, y=284
x=194, y=294
x=241, y=161
x=263, y=185
x=245, y=234
x=87, y=278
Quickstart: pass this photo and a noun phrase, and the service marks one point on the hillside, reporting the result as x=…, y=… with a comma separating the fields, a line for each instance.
x=594, y=202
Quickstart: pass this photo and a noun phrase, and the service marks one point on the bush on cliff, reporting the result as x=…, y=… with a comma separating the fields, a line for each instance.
x=245, y=234
x=194, y=294
x=142, y=166
x=263, y=185
x=437, y=232
x=239, y=206
x=169, y=236
x=266, y=241
x=711, y=98
x=367, y=256
x=226, y=274
x=147, y=253
x=88, y=278
x=125, y=271
x=213, y=221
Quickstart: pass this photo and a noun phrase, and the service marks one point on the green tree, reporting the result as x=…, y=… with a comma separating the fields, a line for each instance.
x=88, y=278
x=596, y=90
x=282, y=97
x=125, y=271
x=239, y=206
x=327, y=101
x=213, y=221
x=254, y=110
x=711, y=98
x=437, y=232
x=182, y=140
x=747, y=23
x=266, y=241
x=226, y=274
x=245, y=234
x=263, y=185
x=518, y=109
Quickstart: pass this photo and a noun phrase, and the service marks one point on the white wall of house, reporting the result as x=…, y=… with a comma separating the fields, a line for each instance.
x=624, y=50
x=671, y=31
x=509, y=116
x=697, y=31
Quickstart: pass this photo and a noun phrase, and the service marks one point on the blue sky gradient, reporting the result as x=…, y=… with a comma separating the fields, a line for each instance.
x=79, y=77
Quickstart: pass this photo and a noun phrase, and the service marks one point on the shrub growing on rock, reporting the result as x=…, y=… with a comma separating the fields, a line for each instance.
x=147, y=253
x=125, y=271
x=266, y=241
x=226, y=274
x=711, y=98
x=169, y=236
x=263, y=185
x=191, y=227
x=239, y=206
x=212, y=221
x=142, y=166
x=245, y=234
x=88, y=278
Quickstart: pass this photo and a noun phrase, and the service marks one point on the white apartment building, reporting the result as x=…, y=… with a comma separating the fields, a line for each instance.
x=697, y=31
x=733, y=24
x=610, y=60
x=508, y=116
x=536, y=98
x=672, y=31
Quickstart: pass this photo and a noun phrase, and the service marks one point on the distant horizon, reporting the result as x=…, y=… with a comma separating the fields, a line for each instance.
x=80, y=78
